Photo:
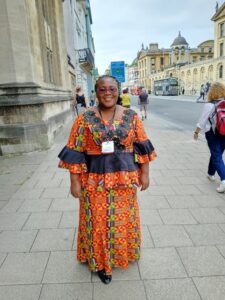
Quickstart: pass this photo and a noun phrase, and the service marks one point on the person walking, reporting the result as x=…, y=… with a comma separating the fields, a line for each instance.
x=80, y=98
x=143, y=102
x=216, y=142
x=108, y=155
x=92, y=100
x=125, y=98
x=202, y=94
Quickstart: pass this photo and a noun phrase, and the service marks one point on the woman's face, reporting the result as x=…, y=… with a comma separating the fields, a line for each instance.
x=107, y=92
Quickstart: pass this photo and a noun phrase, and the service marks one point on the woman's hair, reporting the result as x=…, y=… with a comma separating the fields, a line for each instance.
x=125, y=91
x=106, y=76
x=217, y=91
x=78, y=89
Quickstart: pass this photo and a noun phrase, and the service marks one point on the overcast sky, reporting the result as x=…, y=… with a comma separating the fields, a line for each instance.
x=121, y=26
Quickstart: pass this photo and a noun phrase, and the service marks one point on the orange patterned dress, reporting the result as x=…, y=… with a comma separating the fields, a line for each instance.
x=109, y=224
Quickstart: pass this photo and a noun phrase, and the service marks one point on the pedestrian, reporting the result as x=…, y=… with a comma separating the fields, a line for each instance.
x=143, y=102
x=125, y=98
x=74, y=102
x=202, y=94
x=92, y=101
x=216, y=142
x=108, y=156
x=80, y=98
x=183, y=91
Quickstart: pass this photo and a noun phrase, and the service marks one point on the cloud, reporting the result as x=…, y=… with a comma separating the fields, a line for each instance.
x=121, y=26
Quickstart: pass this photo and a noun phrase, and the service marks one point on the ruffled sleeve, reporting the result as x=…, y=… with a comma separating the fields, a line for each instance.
x=72, y=156
x=143, y=148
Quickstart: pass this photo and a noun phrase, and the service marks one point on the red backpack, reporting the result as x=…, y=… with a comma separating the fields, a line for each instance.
x=218, y=117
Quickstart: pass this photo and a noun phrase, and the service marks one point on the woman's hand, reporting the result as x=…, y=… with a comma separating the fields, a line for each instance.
x=197, y=130
x=144, y=178
x=195, y=136
x=75, y=186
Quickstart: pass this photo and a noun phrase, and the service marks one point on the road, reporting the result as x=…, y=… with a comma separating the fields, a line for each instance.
x=182, y=114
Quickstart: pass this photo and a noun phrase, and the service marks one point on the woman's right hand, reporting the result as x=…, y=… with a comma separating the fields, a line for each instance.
x=75, y=186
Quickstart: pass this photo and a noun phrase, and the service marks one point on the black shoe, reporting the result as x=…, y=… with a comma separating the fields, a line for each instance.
x=106, y=279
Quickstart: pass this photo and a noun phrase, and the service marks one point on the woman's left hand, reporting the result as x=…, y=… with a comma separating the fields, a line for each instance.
x=144, y=178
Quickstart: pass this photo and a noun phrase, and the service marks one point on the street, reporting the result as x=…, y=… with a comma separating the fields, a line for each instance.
x=182, y=115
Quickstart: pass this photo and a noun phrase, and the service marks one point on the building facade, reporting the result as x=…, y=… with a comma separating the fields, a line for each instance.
x=192, y=66
x=38, y=71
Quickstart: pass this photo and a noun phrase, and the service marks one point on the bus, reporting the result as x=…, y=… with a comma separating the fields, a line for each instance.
x=166, y=87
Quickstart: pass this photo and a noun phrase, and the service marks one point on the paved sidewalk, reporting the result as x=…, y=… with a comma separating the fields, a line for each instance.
x=183, y=228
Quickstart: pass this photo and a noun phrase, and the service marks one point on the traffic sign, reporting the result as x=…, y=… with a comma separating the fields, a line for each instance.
x=118, y=70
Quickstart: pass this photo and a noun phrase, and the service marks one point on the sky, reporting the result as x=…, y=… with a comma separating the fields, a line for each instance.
x=121, y=26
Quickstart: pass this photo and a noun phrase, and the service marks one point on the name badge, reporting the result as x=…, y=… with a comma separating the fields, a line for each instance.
x=108, y=147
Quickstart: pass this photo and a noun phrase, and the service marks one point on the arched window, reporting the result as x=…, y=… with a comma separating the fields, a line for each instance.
x=221, y=71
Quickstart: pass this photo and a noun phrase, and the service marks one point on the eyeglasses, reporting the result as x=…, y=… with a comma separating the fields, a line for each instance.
x=111, y=90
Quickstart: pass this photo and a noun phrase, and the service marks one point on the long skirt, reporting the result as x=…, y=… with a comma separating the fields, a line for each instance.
x=109, y=229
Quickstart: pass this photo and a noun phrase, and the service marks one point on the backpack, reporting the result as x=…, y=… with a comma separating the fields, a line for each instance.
x=217, y=118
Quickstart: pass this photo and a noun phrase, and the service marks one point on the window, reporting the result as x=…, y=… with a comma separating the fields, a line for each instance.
x=210, y=50
x=161, y=61
x=152, y=61
x=221, y=72
x=221, y=49
x=222, y=29
x=202, y=50
x=201, y=58
x=194, y=59
x=49, y=41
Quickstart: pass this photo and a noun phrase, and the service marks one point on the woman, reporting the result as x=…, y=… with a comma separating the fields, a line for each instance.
x=216, y=142
x=125, y=99
x=80, y=98
x=108, y=156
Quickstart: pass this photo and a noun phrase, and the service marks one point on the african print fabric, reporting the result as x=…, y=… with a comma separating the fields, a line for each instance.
x=109, y=223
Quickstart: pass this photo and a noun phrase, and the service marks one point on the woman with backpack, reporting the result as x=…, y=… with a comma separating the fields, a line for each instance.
x=212, y=123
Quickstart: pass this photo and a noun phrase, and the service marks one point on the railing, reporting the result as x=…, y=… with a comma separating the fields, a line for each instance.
x=85, y=56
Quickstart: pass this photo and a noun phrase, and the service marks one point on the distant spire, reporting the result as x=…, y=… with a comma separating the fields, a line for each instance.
x=179, y=34
x=217, y=6
x=142, y=46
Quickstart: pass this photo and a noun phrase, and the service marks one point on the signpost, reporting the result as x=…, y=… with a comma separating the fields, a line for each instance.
x=118, y=70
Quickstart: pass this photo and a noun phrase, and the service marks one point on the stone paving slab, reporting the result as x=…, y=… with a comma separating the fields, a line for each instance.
x=176, y=216
x=169, y=236
x=35, y=205
x=75, y=291
x=20, y=292
x=202, y=261
x=171, y=289
x=206, y=234
x=62, y=268
x=23, y=268
x=43, y=220
x=211, y=288
x=53, y=240
x=17, y=241
x=12, y=221
x=182, y=201
x=161, y=263
x=183, y=228
x=126, y=290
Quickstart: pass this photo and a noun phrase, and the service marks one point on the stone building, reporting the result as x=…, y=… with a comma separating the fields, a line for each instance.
x=80, y=43
x=192, y=66
x=37, y=73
